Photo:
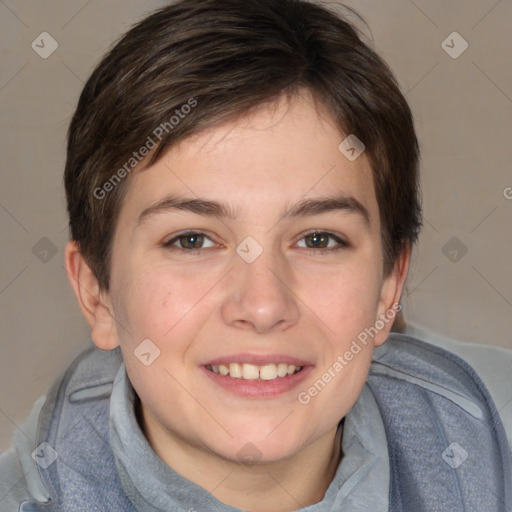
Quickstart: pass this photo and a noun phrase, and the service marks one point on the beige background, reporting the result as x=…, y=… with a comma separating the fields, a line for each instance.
x=463, y=111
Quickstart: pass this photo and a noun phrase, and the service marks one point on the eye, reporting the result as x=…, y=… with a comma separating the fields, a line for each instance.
x=318, y=242
x=190, y=241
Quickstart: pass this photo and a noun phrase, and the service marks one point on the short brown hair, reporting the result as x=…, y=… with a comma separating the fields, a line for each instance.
x=225, y=57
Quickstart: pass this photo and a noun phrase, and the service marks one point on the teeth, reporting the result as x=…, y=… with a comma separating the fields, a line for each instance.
x=282, y=370
x=268, y=372
x=252, y=372
x=235, y=370
x=249, y=371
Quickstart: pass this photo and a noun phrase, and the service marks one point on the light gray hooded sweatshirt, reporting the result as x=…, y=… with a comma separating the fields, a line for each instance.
x=361, y=482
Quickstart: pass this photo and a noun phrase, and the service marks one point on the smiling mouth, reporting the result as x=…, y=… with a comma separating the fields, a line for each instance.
x=248, y=371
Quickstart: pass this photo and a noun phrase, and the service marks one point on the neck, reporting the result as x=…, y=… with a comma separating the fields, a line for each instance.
x=294, y=483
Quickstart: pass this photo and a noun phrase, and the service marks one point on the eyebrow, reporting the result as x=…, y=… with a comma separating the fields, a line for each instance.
x=303, y=208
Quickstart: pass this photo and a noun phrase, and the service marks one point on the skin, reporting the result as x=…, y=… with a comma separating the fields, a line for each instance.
x=291, y=300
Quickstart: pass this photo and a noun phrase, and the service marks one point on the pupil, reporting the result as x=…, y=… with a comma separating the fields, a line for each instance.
x=192, y=240
x=317, y=238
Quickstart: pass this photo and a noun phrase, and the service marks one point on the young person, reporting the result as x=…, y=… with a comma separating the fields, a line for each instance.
x=242, y=187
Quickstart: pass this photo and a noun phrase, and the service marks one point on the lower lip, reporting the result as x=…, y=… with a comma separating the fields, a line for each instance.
x=258, y=388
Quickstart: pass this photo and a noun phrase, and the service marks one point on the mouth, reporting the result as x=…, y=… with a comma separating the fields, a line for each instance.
x=252, y=380
x=249, y=371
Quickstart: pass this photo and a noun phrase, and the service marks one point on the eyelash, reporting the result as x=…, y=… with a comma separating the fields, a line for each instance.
x=342, y=244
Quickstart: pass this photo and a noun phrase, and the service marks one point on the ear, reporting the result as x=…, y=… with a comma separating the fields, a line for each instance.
x=391, y=292
x=95, y=303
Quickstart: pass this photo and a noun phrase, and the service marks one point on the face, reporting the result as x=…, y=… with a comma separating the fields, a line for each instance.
x=276, y=264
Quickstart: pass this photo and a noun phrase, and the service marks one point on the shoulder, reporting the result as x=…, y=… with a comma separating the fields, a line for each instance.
x=492, y=364
x=89, y=376
x=19, y=476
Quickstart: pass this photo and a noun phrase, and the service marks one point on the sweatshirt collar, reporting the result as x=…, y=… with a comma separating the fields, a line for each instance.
x=361, y=482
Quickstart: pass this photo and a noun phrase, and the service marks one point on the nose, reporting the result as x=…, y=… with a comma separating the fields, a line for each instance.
x=260, y=295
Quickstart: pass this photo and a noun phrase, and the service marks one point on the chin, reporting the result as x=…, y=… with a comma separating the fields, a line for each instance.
x=250, y=450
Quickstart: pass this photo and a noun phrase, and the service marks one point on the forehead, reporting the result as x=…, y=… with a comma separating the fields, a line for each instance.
x=274, y=156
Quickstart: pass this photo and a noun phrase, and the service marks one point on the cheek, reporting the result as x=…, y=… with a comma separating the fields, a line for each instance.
x=345, y=300
x=154, y=302
x=160, y=308
x=164, y=305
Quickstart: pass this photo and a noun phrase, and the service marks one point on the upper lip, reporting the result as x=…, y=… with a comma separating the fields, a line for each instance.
x=258, y=359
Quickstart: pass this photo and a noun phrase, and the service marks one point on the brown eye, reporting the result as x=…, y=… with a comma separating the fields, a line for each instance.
x=320, y=241
x=188, y=242
x=191, y=241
